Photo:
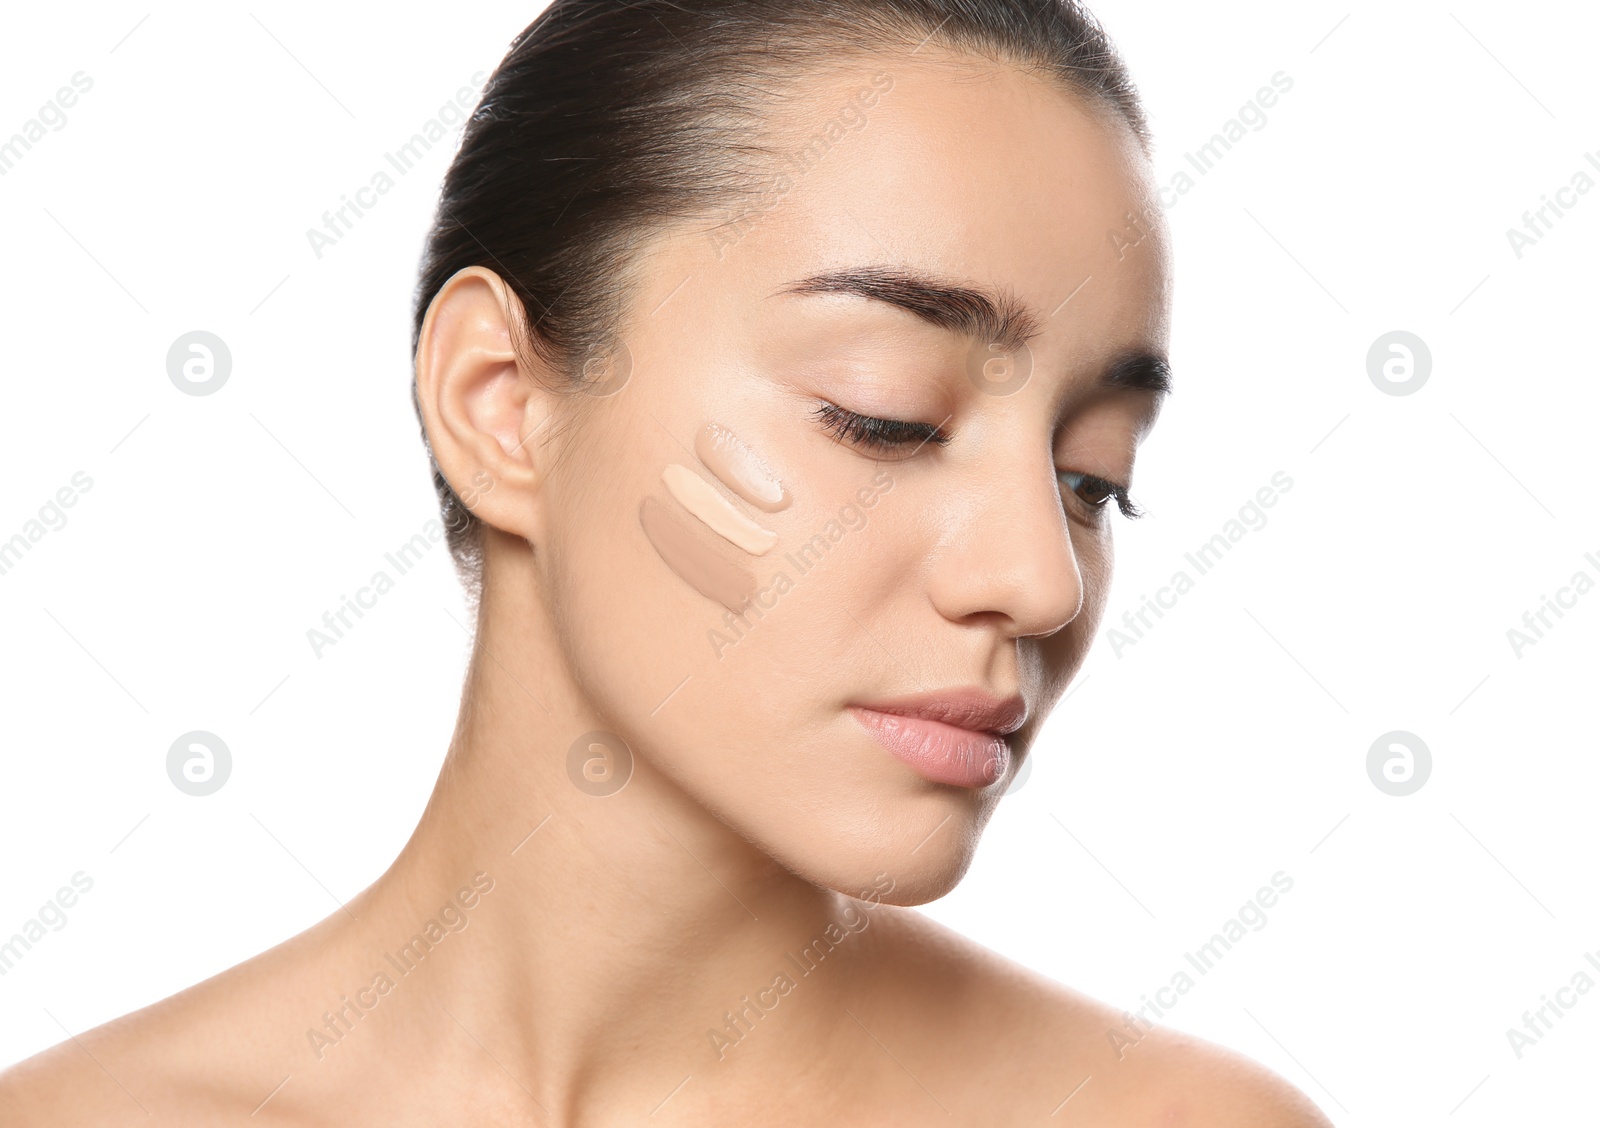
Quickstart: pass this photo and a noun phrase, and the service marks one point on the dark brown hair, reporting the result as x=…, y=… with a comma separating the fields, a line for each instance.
x=609, y=120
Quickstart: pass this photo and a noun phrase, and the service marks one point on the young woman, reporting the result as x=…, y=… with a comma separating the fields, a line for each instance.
x=782, y=364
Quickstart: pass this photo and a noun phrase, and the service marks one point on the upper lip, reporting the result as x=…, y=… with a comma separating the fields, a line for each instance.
x=964, y=707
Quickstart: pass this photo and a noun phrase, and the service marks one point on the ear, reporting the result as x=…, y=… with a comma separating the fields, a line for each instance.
x=481, y=409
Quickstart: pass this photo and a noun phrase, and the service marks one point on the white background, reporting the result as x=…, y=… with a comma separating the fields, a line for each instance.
x=1228, y=744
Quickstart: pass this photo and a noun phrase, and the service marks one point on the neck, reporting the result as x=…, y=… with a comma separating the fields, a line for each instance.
x=627, y=939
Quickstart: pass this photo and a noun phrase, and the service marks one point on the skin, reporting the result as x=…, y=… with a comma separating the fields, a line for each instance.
x=584, y=985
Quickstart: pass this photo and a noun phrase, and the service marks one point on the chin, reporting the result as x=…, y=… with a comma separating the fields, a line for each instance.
x=905, y=867
x=928, y=886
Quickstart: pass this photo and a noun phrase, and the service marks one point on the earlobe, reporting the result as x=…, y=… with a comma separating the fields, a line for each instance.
x=481, y=410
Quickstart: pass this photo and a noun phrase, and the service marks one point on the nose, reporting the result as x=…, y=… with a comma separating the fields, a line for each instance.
x=1008, y=551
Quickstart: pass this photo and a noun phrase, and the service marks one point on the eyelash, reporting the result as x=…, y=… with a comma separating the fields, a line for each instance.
x=878, y=434
x=873, y=433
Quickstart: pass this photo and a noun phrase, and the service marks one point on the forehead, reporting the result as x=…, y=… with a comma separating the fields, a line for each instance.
x=962, y=168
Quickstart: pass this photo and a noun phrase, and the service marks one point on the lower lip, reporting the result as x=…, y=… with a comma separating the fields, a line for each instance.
x=939, y=752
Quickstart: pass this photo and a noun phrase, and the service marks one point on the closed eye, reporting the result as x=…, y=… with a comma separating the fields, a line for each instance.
x=1092, y=492
x=874, y=433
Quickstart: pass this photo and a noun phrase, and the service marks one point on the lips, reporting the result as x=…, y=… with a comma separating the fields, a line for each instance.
x=955, y=736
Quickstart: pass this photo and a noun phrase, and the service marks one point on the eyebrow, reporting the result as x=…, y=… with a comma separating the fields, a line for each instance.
x=1141, y=371
x=999, y=318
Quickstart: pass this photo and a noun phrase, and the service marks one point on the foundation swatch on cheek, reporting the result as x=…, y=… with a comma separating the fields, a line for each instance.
x=695, y=563
x=738, y=468
x=699, y=497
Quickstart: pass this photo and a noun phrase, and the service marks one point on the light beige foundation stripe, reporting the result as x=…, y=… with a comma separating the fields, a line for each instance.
x=699, y=497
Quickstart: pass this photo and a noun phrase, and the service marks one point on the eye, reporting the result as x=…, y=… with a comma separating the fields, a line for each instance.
x=877, y=434
x=873, y=433
x=1093, y=493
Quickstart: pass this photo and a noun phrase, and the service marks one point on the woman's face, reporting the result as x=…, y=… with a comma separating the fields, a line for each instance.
x=962, y=565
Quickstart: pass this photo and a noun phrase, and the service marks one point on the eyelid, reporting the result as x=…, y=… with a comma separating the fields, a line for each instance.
x=876, y=432
x=1097, y=479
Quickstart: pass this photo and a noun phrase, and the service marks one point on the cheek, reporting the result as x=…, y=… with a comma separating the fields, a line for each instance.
x=1096, y=553
x=615, y=610
x=634, y=633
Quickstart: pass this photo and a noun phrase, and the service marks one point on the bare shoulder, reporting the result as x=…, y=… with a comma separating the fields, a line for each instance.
x=1057, y=1056
x=54, y=1087
x=1192, y=1081
x=94, y=1078
x=186, y=1059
